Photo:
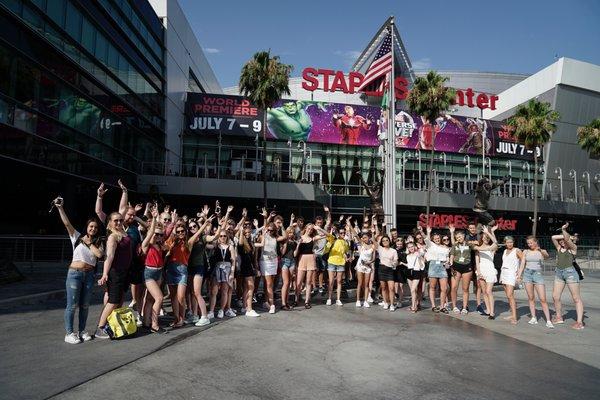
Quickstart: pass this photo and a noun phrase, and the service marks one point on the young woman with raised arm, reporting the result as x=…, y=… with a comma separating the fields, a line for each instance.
x=306, y=262
x=530, y=273
x=566, y=275
x=485, y=269
x=116, y=267
x=511, y=259
x=87, y=249
x=437, y=255
x=154, y=250
x=197, y=267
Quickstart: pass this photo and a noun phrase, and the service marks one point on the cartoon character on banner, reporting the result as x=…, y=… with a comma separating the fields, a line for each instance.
x=291, y=120
x=382, y=131
x=350, y=125
x=477, y=130
x=404, y=128
x=428, y=132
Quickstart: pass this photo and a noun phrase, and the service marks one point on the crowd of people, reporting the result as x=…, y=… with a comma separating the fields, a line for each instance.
x=154, y=252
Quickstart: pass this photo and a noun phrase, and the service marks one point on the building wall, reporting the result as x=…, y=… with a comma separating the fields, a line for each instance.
x=183, y=53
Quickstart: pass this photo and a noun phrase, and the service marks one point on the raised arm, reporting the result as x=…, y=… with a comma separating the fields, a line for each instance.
x=150, y=233
x=452, y=229
x=327, y=217
x=111, y=245
x=124, y=199
x=58, y=203
x=98, y=208
x=567, y=237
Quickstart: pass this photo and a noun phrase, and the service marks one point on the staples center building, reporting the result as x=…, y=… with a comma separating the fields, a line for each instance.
x=101, y=90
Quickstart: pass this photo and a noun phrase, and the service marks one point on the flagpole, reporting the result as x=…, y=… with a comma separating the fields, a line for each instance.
x=390, y=182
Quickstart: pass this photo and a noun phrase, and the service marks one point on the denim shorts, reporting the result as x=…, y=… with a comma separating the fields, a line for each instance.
x=566, y=275
x=177, y=274
x=152, y=274
x=533, y=276
x=288, y=263
x=437, y=270
x=335, y=268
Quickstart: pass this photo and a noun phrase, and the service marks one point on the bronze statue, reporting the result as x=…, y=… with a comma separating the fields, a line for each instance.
x=375, y=192
x=483, y=190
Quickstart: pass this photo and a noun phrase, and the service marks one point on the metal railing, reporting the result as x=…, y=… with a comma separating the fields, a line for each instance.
x=21, y=248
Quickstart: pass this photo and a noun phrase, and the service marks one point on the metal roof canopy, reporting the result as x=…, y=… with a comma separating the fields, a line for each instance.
x=402, y=62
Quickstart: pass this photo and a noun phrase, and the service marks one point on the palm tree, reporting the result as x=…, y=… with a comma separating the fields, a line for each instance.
x=430, y=99
x=533, y=125
x=264, y=80
x=588, y=137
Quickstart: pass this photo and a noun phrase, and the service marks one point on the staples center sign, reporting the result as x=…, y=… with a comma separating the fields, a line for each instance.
x=332, y=81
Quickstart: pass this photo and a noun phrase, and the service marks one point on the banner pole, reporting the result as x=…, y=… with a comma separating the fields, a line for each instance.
x=391, y=142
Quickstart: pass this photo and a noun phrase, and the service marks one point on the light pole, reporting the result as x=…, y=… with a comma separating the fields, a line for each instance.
x=418, y=151
x=467, y=161
x=302, y=147
x=527, y=167
x=443, y=158
x=405, y=157
x=309, y=166
x=488, y=162
x=586, y=175
x=542, y=172
x=558, y=171
x=510, y=189
x=573, y=174
x=289, y=143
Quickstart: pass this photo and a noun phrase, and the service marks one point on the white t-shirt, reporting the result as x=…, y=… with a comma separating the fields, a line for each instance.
x=414, y=261
x=81, y=252
x=436, y=252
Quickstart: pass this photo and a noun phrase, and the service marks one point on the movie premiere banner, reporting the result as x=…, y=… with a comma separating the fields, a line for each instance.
x=320, y=122
x=223, y=114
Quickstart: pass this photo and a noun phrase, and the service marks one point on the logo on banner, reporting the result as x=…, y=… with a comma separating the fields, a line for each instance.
x=404, y=126
x=461, y=221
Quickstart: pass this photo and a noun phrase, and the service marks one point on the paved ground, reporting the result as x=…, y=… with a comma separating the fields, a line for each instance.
x=323, y=352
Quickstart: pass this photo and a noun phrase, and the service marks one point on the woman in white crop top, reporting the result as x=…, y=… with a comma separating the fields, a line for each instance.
x=80, y=277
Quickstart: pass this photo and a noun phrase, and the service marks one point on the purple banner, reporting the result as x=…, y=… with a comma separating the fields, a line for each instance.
x=323, y=122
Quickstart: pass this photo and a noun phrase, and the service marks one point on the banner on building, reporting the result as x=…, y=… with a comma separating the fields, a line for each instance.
x=321, y=122
x=223, y=114
x=356, y=125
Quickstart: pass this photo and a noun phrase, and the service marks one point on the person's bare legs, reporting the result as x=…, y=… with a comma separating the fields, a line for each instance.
x=309, y=278
x=285, y=287
x=454, y=289
x=154, y=299
x=443, y=291
x=466, y=282
x=432, y=286
x=531, y=298
x=299, y=279
x=248, y=293
x=575, y=294
x=489, y=296
x=330, y=286
x=197, y=283
x=413, y=285
x=214, y=290
x=391, y=285
x=541, y=292
x=338, y=289
x=510, y=296
x=360, y=279
x=557, y=291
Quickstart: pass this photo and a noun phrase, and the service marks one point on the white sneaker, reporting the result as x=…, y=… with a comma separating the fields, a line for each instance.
x=533, y=321
x=162, y=312
x=211, y=315
x=252, y=313
x=549, y=325
x=272, y=309
x=203, y=321
x=392, y=308
x=85, y=336
x=385, y=305
x=338, y=303
x=72, y=338
x=138, y=318
x=328, y=303
x=230, y=313
x=366, y=304
x=455, y=310
x=358, y=304
x=220, y=314
x=464, y=311
x=370, y=299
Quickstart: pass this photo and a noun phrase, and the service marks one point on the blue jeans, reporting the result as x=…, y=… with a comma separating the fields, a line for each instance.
x=79, y=286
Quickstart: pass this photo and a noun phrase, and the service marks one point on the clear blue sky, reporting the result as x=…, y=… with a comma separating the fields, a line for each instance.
x=520, y=36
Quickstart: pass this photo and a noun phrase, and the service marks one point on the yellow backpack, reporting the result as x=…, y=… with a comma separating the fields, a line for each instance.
x=122, y=323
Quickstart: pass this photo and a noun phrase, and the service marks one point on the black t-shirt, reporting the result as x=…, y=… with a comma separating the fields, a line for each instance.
x=469, y=238
x=401, y=257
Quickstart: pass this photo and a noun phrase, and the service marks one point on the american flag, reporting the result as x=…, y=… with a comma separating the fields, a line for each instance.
x=376, y=76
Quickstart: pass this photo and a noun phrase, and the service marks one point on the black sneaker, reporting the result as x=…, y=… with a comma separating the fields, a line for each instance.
x=480, y=309
x=444, y=310
x=492, y=317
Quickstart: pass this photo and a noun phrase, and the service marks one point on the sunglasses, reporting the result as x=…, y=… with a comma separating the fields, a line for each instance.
x=223, y=236
x=117, y=220
x=167, y=219
x=179, y=231
x=270, y=230
x=445, y=239
x=158, y=235
x=193, y=226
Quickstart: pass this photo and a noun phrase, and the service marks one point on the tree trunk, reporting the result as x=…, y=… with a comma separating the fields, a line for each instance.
x=535, y=196
x=429, y=186
x=264, y=161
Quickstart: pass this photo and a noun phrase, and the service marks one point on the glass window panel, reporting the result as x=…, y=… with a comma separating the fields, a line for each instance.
x=113, y=59
x=101, y=47
x=73, y=22
x=40, y=3
x=13, y=5
x=33, y=18
x=54, y=37
x=56, y=10
x=27, y=80
x=49, y=96
x=88, y=35
x=5, y=67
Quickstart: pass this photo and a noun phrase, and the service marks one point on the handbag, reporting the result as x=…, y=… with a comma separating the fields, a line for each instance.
x=121, y=323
